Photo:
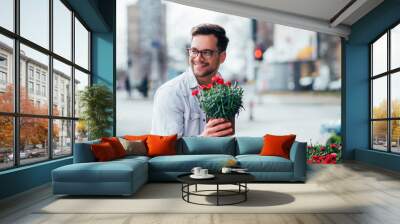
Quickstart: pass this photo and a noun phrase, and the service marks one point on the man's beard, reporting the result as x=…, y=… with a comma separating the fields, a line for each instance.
x=205, y=73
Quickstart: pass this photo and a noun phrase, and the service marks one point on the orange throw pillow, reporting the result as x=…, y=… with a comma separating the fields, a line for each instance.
x=103, y=152
x=161, y=145
x=136, y=137
x=277, y=145
x=116, y=145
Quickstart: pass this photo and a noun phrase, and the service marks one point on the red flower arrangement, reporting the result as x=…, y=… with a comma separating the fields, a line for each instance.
x=220, y=99
x=328, y=154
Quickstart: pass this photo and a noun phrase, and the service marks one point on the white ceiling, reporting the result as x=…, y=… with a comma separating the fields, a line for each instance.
x=321, y=9
x=315, y=15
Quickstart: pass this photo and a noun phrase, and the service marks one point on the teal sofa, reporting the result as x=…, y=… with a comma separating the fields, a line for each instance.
x=125, y=176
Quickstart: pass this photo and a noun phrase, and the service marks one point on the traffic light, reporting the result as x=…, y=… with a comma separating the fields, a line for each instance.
x=258, y=54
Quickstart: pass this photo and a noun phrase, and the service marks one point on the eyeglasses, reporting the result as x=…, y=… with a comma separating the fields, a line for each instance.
x=204, y=53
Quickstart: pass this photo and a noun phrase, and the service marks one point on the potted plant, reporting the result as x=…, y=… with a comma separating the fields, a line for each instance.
x=220, y=99
x=96, y=102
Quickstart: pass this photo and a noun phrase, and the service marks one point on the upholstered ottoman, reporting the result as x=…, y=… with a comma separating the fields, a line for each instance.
x=119, y=177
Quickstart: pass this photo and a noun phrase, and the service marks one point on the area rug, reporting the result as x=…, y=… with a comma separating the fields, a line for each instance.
x=166, y=198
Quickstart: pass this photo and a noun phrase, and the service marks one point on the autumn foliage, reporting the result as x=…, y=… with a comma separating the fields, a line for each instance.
x=33, y=131
x=380, y=128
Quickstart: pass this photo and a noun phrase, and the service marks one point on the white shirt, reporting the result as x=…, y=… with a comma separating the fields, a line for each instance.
x=175, y=110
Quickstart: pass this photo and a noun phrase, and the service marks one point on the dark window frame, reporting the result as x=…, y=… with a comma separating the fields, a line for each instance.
x=16, y=114
x=388, y=74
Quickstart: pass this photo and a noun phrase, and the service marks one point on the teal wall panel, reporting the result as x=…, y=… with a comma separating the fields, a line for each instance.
x=103, y=64
x=93, y=15
x=356, y=99
x=380, y=159
x=102, y=58
x=356, y=85
x=24, y=178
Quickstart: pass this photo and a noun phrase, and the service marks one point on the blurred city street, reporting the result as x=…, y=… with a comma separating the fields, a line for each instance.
x=299, y=76
x=300, y=113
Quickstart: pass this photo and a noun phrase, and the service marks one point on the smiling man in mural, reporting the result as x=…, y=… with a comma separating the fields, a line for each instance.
x=176, y=110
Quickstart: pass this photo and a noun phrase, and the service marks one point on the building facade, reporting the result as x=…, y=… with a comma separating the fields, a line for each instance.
x=34, y=82
x=147, y=50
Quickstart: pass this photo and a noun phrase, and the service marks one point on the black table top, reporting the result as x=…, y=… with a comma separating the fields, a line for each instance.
x=220, y=178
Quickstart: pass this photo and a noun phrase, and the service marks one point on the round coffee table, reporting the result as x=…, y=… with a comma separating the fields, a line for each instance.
x=238, y=179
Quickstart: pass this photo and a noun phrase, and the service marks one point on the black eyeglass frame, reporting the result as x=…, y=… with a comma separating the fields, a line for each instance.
x=206, y=53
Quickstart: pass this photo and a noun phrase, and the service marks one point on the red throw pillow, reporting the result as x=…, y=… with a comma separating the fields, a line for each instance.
x=103, y=152
x=277, y=145
x=116, y=145
x=161, y=145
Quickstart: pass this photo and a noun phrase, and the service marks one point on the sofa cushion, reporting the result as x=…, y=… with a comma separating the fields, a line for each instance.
x=134, y=147
x=103, y=152
x=257, y=163
x=136, y=137
x=116, y=145
x=83, y=152
x=161, y=145
x=275, y=145
x=93, y=172
x=185, y=163
x=112, y=171
x=208, y=145
x=132, y=158
x=249, y=145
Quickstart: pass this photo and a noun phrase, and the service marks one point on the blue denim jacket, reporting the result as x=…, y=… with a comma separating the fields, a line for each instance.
x=175, y=110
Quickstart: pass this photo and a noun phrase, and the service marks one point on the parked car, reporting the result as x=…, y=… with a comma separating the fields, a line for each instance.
x=22, y=155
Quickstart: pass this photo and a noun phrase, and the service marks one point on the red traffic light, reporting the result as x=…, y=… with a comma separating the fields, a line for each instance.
x=258, y=54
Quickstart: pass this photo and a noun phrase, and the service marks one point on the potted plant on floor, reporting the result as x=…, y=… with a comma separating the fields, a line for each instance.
x=96, y=102
x=220, y=99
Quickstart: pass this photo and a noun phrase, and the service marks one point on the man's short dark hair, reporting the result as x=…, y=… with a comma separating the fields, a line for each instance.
x=217, y=31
